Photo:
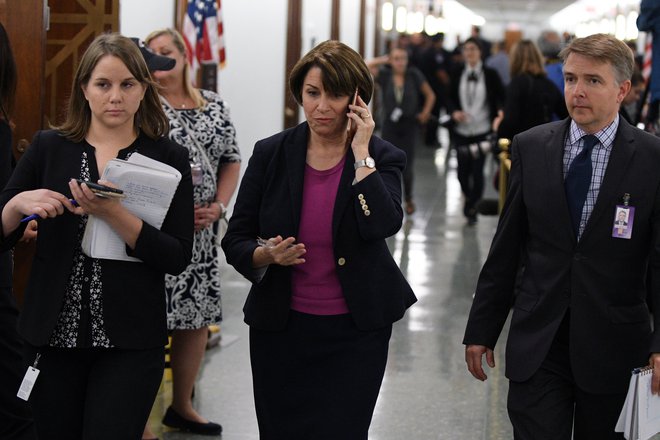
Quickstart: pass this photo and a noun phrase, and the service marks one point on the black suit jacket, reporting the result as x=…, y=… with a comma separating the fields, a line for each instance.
x=269, y=203
x=601, y=279
x=133, y=293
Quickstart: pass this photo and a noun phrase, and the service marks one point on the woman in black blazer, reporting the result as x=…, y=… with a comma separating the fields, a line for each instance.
x=309, y=226
x=96, y=328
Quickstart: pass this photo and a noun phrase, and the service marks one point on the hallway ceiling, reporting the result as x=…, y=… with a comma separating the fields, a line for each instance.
x=525, y=12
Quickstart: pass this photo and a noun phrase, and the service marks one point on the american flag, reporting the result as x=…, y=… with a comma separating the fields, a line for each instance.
x=203, y=34
x=647, y=60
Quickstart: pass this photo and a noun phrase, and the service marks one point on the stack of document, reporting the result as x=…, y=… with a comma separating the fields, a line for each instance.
x=149, y=186
x=640, y=416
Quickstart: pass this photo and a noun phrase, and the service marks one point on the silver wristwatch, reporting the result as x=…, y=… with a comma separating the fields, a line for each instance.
x=368, y=162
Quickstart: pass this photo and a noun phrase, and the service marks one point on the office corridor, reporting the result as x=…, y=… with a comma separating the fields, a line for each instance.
x=427, y=392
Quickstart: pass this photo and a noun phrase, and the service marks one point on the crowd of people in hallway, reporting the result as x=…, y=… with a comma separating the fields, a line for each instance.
x=514, y=95
x=575, y=255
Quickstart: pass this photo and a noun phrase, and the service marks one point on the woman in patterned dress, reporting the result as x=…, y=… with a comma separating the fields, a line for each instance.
x=96, y=328
x=199, y=120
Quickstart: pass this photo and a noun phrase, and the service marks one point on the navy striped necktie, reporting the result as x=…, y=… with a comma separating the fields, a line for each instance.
x=578, y=180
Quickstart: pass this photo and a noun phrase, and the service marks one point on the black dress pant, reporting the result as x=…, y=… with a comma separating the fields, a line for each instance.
x=318, y=379
x=550, y=406
x=94, y=393
x=15, y=416
x=470, y=170
x=405, y=136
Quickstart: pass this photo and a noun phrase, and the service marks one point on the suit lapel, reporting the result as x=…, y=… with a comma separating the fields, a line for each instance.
x=554, y=156
x=623, y=150
x=295, y=152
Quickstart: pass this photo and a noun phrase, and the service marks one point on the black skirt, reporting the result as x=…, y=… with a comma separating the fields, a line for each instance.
x=318, y=379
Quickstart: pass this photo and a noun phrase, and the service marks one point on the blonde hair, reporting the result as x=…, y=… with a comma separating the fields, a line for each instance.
x=178, y=42
x=526, y=58
x=150, y=117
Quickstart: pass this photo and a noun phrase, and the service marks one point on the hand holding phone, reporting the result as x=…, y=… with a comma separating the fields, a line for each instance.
x=102, y=190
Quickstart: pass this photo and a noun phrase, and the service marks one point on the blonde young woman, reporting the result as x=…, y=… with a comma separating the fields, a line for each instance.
x=199, y=120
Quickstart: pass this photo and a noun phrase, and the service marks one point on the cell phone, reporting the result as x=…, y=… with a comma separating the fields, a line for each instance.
x=102, y=190
x=348, y=126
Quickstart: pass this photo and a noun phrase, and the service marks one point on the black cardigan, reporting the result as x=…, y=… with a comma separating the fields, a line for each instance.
x=133, y=293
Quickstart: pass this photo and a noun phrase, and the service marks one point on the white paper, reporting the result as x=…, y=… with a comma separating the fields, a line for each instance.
x=625, y=418
x=149, y=186
x=640, y=415
x=648, y=407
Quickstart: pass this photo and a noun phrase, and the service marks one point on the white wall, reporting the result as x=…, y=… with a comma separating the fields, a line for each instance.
x=252, y=81
x=139, y=18
x=349, y=23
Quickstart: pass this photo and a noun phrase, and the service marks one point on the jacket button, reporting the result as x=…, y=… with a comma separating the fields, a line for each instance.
x=365, y=207
x=367, y=213
x=361, y=196
x=363, y=202
x=341, y=261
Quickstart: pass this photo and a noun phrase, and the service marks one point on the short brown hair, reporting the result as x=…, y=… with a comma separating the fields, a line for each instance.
x=604, y=48
x=343, y=70
x=150, y=117
x=526, y=58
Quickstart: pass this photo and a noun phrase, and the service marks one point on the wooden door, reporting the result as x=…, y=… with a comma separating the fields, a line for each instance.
x=25, y=21
x=47, y=40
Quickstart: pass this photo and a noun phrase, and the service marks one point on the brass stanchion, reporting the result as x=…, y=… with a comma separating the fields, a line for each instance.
x=505, y=169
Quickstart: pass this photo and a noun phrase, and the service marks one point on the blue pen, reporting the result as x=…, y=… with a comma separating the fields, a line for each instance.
x=36, y=216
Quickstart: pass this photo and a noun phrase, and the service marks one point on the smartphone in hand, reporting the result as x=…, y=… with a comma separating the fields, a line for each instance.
x=102, y=190
x=348, y=126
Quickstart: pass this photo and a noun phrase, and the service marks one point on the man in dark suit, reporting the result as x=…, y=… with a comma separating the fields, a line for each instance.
x=580, y=320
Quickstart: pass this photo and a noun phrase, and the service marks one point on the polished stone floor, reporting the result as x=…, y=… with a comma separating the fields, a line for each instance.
x=427, y=392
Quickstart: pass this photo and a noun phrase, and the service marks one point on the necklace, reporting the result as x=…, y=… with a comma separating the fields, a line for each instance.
x=181, y=106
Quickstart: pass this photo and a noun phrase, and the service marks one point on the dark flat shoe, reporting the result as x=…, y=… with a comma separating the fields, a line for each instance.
x=175, y=420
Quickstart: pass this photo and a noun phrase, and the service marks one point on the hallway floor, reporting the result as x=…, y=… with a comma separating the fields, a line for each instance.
x=427, y=392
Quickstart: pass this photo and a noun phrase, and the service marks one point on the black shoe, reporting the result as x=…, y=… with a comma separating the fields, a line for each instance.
x=488, y=206
x=175, y=420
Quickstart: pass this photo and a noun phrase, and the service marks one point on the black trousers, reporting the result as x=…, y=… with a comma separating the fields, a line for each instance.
x=94, y=393
x=318, y=379
x=550, y=406
x=405, y=136
x=470, y=170
x=15, y=415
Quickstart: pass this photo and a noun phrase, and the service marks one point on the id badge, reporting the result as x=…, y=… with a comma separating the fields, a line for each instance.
x=624, y=216
x=197, y=173
x=29, y=379
x=396, y=114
